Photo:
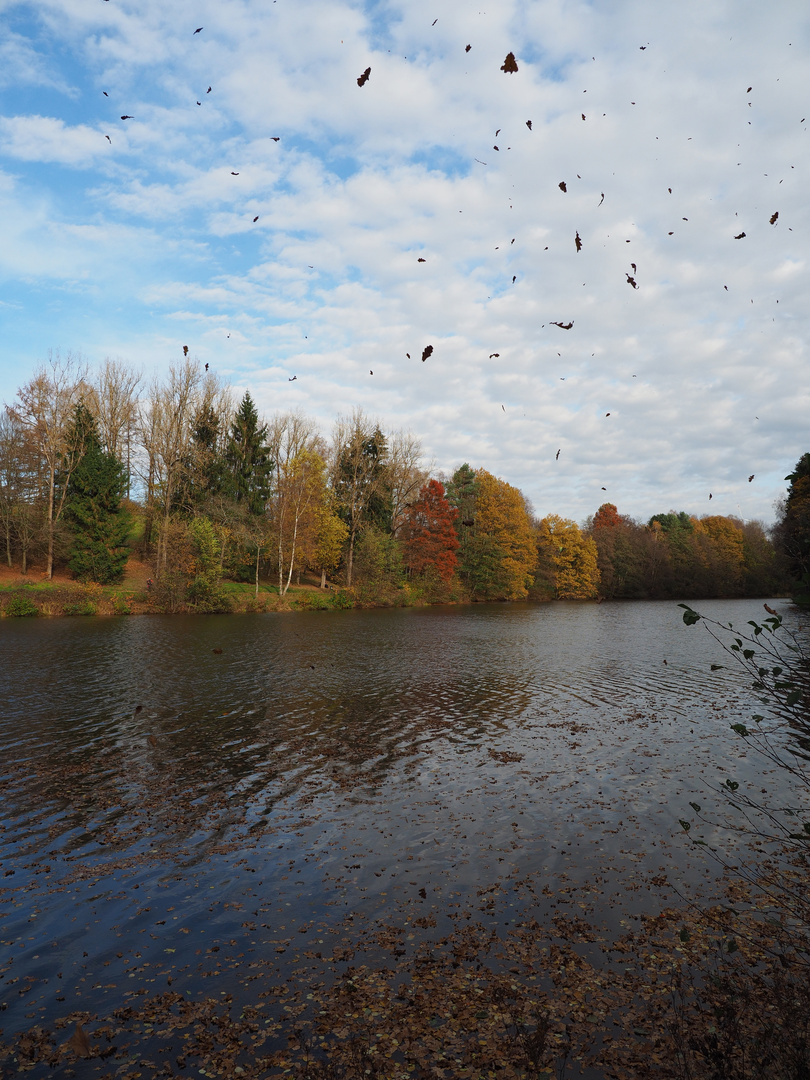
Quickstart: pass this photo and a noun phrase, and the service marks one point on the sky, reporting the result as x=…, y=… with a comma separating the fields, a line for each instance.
x=641, y=179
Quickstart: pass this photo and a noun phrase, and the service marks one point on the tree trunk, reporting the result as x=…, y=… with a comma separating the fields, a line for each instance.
x=323, y=579
x=292, y=556
x=258, y=550
x=350, y=559
x=51, y=482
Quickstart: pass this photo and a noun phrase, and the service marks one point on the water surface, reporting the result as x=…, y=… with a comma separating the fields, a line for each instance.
x=173, y=812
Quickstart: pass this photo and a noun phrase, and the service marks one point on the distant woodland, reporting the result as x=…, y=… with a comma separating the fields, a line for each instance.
x=98, y=468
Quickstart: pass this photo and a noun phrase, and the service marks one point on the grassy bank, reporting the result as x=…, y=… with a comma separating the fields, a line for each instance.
x=32, y=596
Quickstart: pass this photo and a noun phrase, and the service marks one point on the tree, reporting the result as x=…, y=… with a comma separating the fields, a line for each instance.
x=95, y=488
x=166, y=433
x=430, y=536
x=115, y=407
x=332, y=533
x=462, y=490
x=45, y=409
x=298, y=489
x=764, y=566
x=360, y=478
x=204, y=469
x=606, y=517
x=248, y=461
x=570, y=557
x=620, y=543
x=19, y=513
x=794, y=528
x=500, y=555
x=405, y=475
x=723, y=557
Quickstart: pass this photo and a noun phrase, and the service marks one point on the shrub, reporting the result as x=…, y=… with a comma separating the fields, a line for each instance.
x=19, y=607
x=79, y=607
x=343, y=599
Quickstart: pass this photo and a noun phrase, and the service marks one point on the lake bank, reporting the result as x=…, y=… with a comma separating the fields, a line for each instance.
x=31, y=597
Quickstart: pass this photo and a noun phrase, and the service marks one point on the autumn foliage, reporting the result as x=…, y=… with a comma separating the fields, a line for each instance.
x=430, y=535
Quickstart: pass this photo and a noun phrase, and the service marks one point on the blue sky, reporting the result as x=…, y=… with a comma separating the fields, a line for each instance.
x=134, y=245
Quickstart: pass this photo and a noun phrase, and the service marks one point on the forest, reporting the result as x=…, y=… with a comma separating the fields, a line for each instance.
x=101, y=471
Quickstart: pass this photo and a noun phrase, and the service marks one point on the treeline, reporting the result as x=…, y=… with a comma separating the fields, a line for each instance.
x=96, y=465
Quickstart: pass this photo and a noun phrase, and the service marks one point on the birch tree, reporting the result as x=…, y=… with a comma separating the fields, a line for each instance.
x=298, y=452
x=166, y=430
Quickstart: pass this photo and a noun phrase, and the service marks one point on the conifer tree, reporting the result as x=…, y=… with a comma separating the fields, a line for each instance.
x=794, y=529
x=248, y=463
x=93, y=510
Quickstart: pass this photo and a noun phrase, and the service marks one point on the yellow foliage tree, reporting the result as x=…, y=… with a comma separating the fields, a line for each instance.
x=568, y=559
x=503, y=552
x=331, y=536
x=721, y=548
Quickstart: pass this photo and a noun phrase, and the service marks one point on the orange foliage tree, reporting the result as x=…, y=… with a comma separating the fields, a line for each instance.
x=430, y=535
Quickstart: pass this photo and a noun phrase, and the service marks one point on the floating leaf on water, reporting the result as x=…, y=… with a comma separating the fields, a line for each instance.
x=79, y=1043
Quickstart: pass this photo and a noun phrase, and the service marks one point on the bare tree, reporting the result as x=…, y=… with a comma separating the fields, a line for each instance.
x=360, y=477
x=115, y=406
x=166, y=427
x=18, y=485
x=45, y=408
x=406, y=475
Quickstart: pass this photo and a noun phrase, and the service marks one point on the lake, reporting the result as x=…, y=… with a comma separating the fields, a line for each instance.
x=218, y=803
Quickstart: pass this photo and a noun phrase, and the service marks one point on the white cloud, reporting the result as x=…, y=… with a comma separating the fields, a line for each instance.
x=48, y=139
x=364, y=181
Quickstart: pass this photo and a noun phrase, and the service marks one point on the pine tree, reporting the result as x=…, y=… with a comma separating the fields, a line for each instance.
x=93, y=510
x=248, y=463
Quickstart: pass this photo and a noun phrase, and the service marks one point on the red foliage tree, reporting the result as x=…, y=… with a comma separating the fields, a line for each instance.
x=606, y=517
x=430, y=536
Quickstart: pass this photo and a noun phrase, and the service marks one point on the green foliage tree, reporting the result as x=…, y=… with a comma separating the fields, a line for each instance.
x=620, y=546
x=205, y=466
x=462, y=493
x=248, y=463
x=794, y=528
x=94, y=492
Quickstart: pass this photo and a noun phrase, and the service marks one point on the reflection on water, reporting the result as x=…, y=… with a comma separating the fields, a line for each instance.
x=162, y=802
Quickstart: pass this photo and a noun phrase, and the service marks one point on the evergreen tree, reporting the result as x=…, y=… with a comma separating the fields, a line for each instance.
x=462, y=493
x=205, y=465
x=794, y=529
x=93, y=510
x=248, y=464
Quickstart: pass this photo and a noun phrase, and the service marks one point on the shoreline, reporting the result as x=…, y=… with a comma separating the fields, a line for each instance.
x=22, y=598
